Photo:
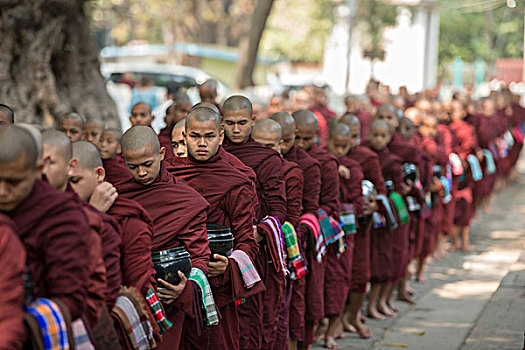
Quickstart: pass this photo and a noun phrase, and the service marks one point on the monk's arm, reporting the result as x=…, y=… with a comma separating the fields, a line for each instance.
x=270, y=175
x=12, y=260
x=356, y=192
x=330, y=188
x=294, y=196
x=311, y=189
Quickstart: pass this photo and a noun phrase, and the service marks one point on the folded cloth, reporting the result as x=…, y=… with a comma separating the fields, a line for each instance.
x=197, y=276
x=490, y=165
x=457, y=164
x=391, y=219
x=276, y=244
x=310, y=220
x=401, y=208
x=413, y=204
x=295, y=259
x=518, y=134
x=248, y=271
x=446, y=189
x=81, y=336
x=475, y=168
x=158, y=311
x=347, y=219
x=509, y=139
x=329, y=228
x=51, y=323
x=139, y=334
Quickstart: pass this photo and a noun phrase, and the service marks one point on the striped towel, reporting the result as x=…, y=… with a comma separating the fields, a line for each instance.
x=295, y=259
x=157, y=311
x=391, y=217
x=80, y=334
x=197, y=276
x=277, y=233
x=330, y=229
x=490, y=166
x=457, y=164
x=399, y=203
x=347, y=219
x=250, y=275
x=475, y=168
x=139, y=336
x=310, y=220
x=51, y=322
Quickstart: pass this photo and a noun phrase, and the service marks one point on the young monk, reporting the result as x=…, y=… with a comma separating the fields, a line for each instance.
x=178, y=141
x=208, y=93
x=238, y=120
x=179, y=222
x=406, y=128
x=50, y=224
x=306, y=132
x=72, y=124
x=92, y=131
x=307, y=304
x=111, y=155
x=141, y=114
x=177, y=111
x=228, y=192
x=12, y=260
x=7, y=115
x=269, y=133
x=339, y=143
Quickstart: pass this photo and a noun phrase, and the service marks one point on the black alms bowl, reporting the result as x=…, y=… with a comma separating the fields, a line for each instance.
x=220, y=239
x=169, y=262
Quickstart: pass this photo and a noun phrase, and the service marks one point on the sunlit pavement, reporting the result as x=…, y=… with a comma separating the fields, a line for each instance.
x=472, y=300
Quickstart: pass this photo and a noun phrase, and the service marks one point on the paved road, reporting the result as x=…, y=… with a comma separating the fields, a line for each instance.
x=472, y=301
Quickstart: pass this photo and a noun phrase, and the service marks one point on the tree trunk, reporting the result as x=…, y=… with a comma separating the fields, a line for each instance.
x=250, y=44
x=48, y=62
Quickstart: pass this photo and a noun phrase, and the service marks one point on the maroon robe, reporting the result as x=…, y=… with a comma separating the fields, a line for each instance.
x=12, y=260
x=116, y=170
x=136, y=232
x=447, y=140
x=365, y=119
x=179, y=219
x=55, y=233
x=228, y=191
x=329, y=196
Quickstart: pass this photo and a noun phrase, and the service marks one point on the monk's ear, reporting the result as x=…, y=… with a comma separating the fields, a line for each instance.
x=45, y=164
x=221, y=134
x=72, y=166
x=100, y=173
x=119, y=149
x=254, y=119
x=152, y=118
x=162, y=153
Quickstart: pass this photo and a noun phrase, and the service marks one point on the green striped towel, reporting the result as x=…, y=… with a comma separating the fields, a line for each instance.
x=197, y=276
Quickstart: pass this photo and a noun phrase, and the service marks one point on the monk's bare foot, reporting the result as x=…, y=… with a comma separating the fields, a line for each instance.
x=321, y=330
x=385, y=310
x=465, y=249
x=454, y=247
x=362, y=319
x=406, y=298
x=392, y=307
x=347, y=326
x=375, y=314
x=330, y=343
x=363, y=331
x=410, y=290
x=421, y=280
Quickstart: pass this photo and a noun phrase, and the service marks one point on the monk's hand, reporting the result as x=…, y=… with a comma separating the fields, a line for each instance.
x=370, y=207
x=256, y=234
x=406, y=187
x=103, y=196
x=344, y=172
x=435, y=185
x=217, y=268
x=170, y=292
x=480, y=155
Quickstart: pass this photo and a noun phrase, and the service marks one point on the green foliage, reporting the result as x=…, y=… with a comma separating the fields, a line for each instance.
x=372, y=17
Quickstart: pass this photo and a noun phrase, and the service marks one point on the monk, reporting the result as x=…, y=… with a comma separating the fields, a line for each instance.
x=13, y=260
x=358, y=263
x=50, y=224
x=208, y=93
x=269, y=133
x=141, y=114
x=179, y=222
x=72, y=124
x=177, y=111
x=238, y=120
x=406, y=128
x=178, y=141
x=111, y=154
x=92, y=131
x=228, y=192
x=307, y=305
x=303, y=99
x=7, y=115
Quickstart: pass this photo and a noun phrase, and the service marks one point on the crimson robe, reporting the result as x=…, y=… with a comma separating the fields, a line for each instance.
x=179, y=219
x=55, y=233
x=116, y=170
x=228, y=191
x=12, y=260
x=365, y=119
x=328, y=198
x=447, y=140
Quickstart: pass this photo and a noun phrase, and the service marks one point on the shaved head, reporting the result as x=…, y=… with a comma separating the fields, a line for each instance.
x=59, y=141
x=74, y=116
x=7, y=115
x=16, y=143
x=205, y=105
x=37, y=136
x=116, y=132
x=340, y=129
x=286, y=121
x=87, y=155
x=139, y=137
x=305, y=118
x=202, y=115
x=414, y=115
x=350, y=120
x=267, y=127
x=180, y=124
x=237, y=103
x=378, y=123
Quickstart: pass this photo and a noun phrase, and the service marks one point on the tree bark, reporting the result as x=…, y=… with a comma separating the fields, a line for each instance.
x=249, y=45
x=48, y=62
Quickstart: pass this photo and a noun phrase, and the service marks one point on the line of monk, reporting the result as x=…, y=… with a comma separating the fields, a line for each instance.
x=106, y=238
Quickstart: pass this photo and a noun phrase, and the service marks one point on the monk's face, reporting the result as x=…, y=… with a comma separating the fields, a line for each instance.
x=276, y=105
x=305, y=136
x=428, y=127
x=288, y=140
x=489, y=108
x=352, y=105
x=56, y=168
x=178, y=143
x=72, y=128
x=339, y=145
x=4, y=118
x=16, y=183
x=389, y=117
x=406, y=130
x=141, y=115
x=144, y=164
x=181, y=111
x=238, y=125
x=379, y=137
x=92, y=133
x=355, y=136
x=302, y=100
x=203, y=139
x=207, y=94
x=268, y=140
x=84, y=181
x=109, y=145
x=458, y=112
x=424, y=106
